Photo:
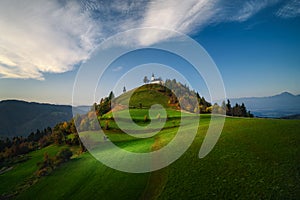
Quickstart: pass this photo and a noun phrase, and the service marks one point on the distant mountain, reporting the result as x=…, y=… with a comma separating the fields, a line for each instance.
x=81, y=109
x=292, y=117
x=19, y=118
x=277, y=106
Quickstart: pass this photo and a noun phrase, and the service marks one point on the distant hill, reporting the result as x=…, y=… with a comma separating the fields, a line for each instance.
x=281, y=105
x=291, y=117
x=19, y=118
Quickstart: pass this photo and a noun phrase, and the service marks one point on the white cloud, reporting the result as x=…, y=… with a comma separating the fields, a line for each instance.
x=119, y=68
x=43, y=36
x=185, y=17
x=250, y=8
x=182, y=16
x=290, y=9
x=39, y=36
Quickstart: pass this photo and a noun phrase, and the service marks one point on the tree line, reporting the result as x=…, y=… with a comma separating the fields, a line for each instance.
x=237, y=110
x=59, y=135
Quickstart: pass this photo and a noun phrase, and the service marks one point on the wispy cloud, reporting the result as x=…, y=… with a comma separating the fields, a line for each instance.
x=242, y=12
x=116, y=69
x=39, y=36
x=182, y=16
x=290, y=9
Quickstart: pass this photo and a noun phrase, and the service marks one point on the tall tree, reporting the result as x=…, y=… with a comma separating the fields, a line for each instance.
x=111, y=95
x=146, y=80
x=228, y=108
x=243, y=110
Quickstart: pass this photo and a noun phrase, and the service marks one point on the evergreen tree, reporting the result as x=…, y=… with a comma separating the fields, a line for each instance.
x=146, y=80
x=228, y=108
x=243, y=110
x=111, y=96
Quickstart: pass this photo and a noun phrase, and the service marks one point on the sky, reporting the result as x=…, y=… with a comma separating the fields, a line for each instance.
x=43, y=44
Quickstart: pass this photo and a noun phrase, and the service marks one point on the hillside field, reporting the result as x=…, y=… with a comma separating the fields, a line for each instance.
x=253, y=159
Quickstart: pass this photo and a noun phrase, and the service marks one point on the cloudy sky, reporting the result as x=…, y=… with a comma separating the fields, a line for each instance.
x=254, y=43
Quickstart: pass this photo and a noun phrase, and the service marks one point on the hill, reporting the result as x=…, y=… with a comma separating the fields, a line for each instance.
x=276, y=106
x=19, y=118
x=172, y=94
x=145, y=96
x=291, y=117
x=253, y=159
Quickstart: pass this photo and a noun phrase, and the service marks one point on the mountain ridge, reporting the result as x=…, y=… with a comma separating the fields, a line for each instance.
x=276, y=106
x=19, y=117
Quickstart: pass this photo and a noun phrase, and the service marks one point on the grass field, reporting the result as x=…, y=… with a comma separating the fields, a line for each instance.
x=145, y=96
x=22, y=173
x=253, y=159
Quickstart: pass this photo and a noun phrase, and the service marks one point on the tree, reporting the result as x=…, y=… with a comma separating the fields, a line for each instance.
x=243, y=110
x=64, y=155
x=57, y=136
x=146, y=80
x=249, y=114
x=44, y=141
x=198, y=96
x=46, y=166
x=236, y=110
x=47, y=162
x=228, y=108
x=111, y=95
x=124, y=89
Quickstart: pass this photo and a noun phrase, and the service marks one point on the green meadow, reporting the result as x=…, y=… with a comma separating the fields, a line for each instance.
x=253, y=159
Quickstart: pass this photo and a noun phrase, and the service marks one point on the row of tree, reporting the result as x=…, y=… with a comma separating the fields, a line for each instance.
x=10, y=148
x=237, y=110
x=50, y=163
x=105, y=104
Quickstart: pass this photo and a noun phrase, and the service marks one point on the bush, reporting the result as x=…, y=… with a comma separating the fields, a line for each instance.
x=106, y=125
x=49, y=164
x=43, y=172
x=64, y=155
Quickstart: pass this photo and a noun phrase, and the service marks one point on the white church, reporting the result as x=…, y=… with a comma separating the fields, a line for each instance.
x=156, y=80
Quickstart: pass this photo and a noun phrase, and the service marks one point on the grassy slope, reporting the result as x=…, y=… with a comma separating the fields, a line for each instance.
x=254, y=158
x=148, y=95
x=18, y=176
x=86, y=178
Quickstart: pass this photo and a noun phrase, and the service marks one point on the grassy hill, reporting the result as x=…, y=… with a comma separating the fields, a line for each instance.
x=19, y=118
x=253, y=159
x=145, y=96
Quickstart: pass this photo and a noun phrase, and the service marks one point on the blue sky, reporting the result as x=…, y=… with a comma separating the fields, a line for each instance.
x=254, y=43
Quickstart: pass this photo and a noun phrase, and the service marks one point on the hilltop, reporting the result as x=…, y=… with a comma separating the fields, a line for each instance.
x=145, y=96
x=171, y=94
